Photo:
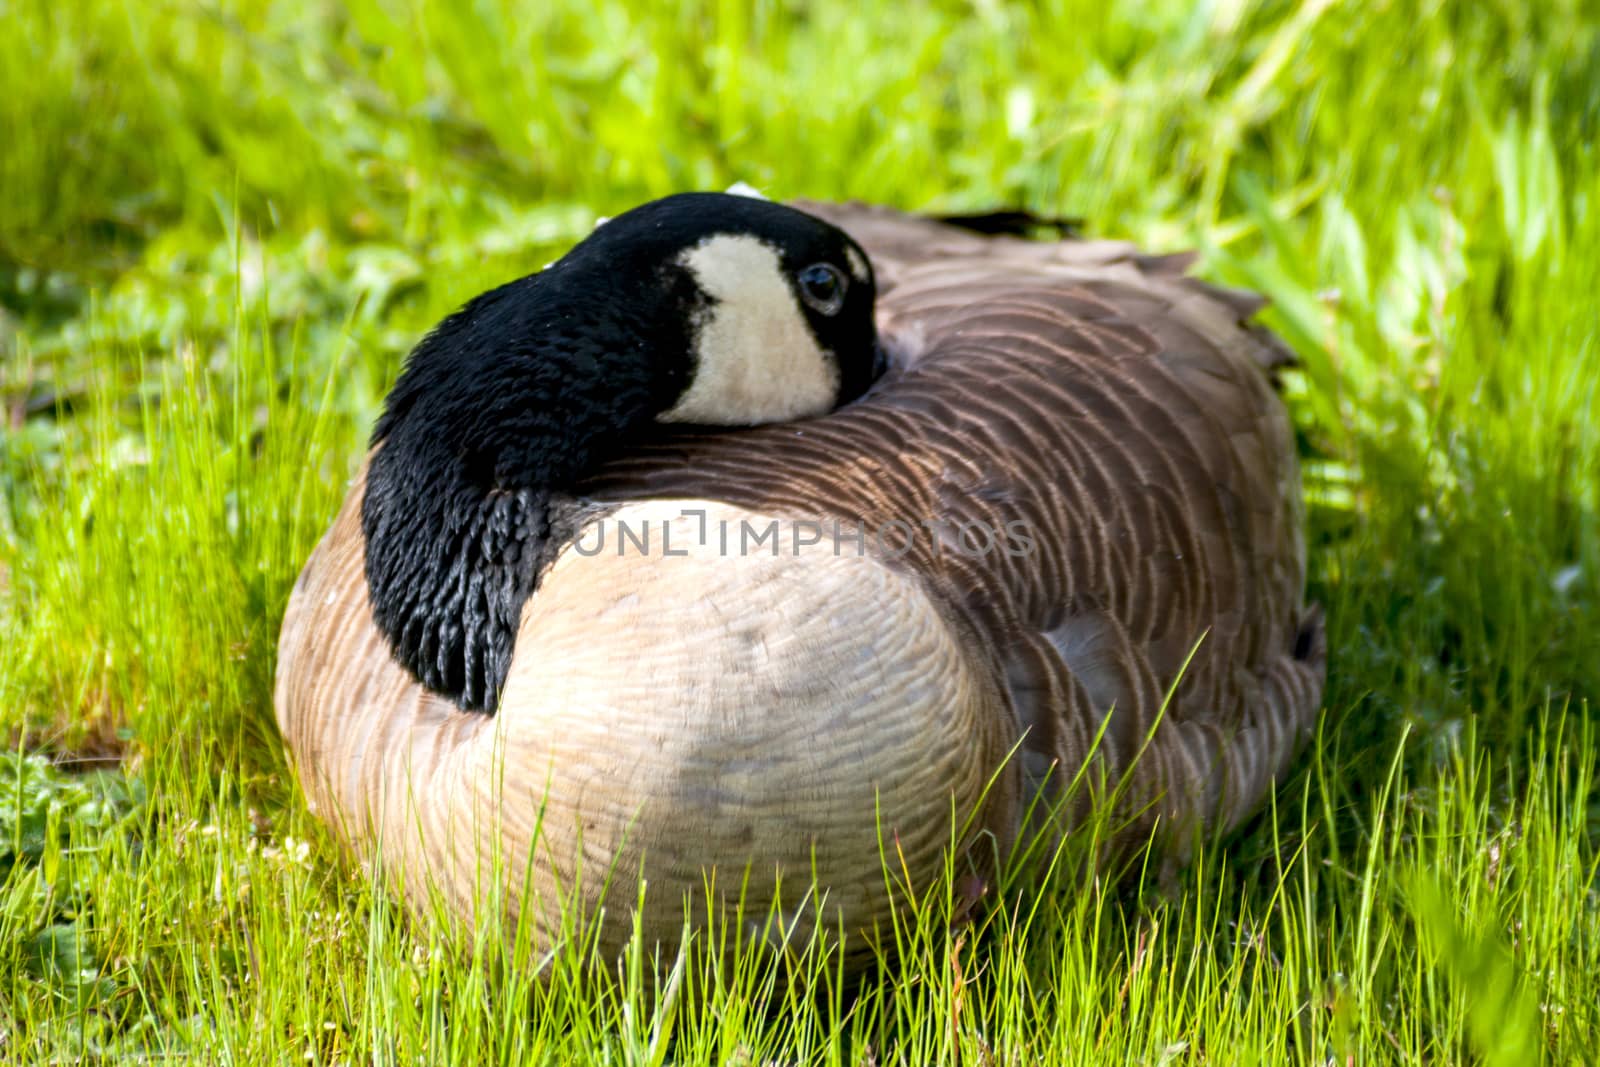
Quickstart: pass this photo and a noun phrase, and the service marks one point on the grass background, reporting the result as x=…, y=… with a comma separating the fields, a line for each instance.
x=223, y=224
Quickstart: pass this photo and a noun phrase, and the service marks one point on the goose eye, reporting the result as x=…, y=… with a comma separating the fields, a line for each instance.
x=822, y=286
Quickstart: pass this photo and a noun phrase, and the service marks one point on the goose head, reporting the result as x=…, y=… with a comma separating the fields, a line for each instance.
x=701, y=309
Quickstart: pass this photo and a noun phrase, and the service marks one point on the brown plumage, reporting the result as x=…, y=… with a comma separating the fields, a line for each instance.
x=667, y=714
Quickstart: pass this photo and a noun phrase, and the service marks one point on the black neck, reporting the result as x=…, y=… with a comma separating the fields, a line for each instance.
x=511, y=399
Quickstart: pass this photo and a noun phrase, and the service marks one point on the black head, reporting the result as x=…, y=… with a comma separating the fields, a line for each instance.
x=777, y=313
x=699, y=308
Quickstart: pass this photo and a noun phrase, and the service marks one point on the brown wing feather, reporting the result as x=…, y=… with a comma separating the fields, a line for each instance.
x=1123, y=415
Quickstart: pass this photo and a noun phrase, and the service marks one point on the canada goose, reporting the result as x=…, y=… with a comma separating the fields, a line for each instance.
x=684, y=701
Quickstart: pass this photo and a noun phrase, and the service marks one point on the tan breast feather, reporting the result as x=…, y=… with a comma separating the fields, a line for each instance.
x=1073, y=494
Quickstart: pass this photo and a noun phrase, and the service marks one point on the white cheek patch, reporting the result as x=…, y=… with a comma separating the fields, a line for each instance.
x=756, y=360
x=858, y=265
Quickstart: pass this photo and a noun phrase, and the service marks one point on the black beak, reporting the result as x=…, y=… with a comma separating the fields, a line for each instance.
x=858, y=379
x=880, y=360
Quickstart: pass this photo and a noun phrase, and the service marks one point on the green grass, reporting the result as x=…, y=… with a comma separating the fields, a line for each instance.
x=223, y=225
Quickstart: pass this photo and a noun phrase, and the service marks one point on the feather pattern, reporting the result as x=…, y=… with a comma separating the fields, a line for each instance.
x=1124, y=416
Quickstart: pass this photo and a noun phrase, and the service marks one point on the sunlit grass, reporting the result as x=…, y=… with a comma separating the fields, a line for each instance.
x=223, y=225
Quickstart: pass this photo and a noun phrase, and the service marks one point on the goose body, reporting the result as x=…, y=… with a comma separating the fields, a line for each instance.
x=1073, y=490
